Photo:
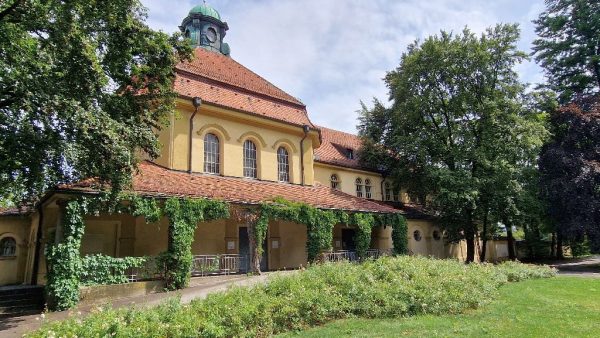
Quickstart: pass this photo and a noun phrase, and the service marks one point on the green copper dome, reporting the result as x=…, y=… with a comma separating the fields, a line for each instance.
x=205, y=9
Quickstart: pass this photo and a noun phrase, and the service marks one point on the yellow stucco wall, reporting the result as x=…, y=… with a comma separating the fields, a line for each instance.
x=347, y=178
x=233, y=130
x=287, y=245
x=12, y=269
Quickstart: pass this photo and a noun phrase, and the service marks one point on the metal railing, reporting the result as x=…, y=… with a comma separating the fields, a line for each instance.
x=150, y=270
x=346, y=255
x=203, y=265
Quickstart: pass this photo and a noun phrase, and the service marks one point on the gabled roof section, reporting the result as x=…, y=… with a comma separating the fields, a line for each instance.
x=220, y=80
x=336, y=147
x=154, y=180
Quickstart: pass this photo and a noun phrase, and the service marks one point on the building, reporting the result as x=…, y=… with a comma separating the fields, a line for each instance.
x=237, y=138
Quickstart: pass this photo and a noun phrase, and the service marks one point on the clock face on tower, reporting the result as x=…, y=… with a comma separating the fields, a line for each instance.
x=211, y=35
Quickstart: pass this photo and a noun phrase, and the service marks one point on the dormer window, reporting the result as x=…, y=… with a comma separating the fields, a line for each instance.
x=350, y=153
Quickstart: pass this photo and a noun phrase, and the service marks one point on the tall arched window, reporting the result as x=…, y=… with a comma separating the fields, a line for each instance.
x=388, y=191
x=211, y=154
x=359, y=187
x=368, y=188
x=249, y=159
x=283, y=165
x=8, y=247
x=335, y=182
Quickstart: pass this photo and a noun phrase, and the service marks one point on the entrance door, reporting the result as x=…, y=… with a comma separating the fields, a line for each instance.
x=348, y=239
x=245, y=250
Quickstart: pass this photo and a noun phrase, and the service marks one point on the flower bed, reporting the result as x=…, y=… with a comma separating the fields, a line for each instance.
x=388, y=287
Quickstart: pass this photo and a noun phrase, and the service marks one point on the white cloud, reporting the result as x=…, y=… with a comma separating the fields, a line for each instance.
x=332, y=54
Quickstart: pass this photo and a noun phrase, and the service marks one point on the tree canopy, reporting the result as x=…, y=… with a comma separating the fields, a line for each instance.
x=460, y=130
x=568, y=46
x=84, y=87
x=570, y=170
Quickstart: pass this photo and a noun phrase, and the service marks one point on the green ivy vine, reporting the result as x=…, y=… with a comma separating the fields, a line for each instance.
x=362, y=240
x=102, y=269
x=319, y=226
x=184, y=215
x=63, y=258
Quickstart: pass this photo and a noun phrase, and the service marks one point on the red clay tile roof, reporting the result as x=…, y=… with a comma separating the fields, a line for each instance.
x=14, y=211
x=334, y=149
x=220, y=80
x=155, y=180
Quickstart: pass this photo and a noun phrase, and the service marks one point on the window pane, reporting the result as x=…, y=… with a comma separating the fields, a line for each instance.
x=335, y=183
x=8, y=247
x=211, y=154
x=283, y=165
x=249, y=159
x=359, y=187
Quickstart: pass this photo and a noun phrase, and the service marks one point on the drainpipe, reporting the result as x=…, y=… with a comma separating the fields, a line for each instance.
x=38, y=245
x=196, y=101
x=305, y=129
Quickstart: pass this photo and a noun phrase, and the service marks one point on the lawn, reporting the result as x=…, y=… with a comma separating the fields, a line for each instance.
x=556, y=307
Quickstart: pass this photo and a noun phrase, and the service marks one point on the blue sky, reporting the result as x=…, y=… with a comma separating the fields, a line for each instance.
x=332, y=54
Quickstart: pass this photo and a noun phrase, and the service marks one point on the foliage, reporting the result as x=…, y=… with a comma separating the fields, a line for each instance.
x=574, y=312
x=184, y=215
x=84, y=86
x=568, y=47
x=362, y=239
x=63, y=259
x=149, y=208
x=516, y=272
x=388, y=287
x=461, y=133
x=570, y=172
x=102, y=270
x=320, y=223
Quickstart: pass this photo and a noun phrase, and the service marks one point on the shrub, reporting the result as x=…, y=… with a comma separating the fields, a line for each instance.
x=516, y=272
x=388, y=287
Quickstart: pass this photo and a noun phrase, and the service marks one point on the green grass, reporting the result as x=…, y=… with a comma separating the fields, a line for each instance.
x=556, y=307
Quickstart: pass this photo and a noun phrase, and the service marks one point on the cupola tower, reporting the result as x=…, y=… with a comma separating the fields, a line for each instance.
x=204, y=28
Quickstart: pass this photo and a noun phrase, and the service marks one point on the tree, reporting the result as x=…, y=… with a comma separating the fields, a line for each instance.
x=568, y=47
x=84, y=87
x=458, y=127
x=570, y=173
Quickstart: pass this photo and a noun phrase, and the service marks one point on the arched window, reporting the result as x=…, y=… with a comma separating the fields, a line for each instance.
x=368, y=188
x=436, y=235
x=359, y=187
x=335, y=182
x=211, y=154
x=8, y=247
x=249, y=159
x=283, y=165
x=388, y=191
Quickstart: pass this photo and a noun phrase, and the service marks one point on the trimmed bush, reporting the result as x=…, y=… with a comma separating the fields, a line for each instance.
x=388, y=287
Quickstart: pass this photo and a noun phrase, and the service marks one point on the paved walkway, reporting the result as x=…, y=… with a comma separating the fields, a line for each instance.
x=199, y=288
x=581, y=267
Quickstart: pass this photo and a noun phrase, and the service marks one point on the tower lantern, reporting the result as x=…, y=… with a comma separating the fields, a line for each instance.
x=204, y=28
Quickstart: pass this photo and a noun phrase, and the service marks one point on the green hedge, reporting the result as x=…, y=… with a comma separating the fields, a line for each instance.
x=388, y=287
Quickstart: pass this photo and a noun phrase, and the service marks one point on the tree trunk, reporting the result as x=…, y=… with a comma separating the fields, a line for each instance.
x=553, y=245
x=559, y=245
x=511, y=243
x=470, y=239
x=484, y=237
x=254, y=254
